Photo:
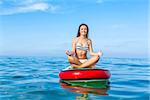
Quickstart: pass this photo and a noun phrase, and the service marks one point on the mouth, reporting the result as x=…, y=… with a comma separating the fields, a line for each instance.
x=84, y=32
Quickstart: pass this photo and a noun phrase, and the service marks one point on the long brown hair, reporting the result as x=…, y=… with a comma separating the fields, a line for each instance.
x=78, y=34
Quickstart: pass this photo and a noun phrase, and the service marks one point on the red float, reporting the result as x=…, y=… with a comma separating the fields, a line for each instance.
x=77, y=74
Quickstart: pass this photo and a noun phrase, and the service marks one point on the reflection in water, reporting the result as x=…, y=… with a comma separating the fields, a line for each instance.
x=82, y=97
x=84, y=91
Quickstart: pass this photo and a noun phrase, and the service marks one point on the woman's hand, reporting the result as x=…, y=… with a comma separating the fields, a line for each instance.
x=100, y=53
x=69, y=53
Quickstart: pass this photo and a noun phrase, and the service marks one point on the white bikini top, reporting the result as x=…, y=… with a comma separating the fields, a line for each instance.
x=82, y=47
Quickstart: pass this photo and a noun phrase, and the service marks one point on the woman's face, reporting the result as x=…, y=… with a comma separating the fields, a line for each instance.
x=83, y=30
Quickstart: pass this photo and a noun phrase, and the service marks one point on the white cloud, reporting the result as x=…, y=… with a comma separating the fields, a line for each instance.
x=53, y=8
x=32, y=7
x=9, y=7
x=27, y=6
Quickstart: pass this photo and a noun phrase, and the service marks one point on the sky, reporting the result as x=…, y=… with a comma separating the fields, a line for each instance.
x=46, y=27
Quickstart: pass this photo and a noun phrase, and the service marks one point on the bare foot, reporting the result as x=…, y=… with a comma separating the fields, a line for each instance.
x=93, y=66
x=74, y=66
x=78, y=66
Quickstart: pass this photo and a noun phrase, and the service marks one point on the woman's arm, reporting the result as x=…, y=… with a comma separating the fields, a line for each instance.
x=72, y=52
x=91, y=49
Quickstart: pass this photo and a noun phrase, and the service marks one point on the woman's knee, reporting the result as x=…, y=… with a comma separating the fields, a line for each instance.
x=70, y=58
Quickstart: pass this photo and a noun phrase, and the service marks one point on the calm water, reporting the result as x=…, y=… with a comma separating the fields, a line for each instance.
x=36, y=78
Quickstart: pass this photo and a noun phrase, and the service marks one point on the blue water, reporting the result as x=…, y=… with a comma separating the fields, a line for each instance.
x=36, y=78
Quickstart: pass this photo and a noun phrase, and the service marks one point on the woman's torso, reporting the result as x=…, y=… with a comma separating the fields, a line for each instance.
x=81, y=48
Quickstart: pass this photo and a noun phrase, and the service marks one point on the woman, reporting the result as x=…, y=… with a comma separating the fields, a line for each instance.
x=80, y=46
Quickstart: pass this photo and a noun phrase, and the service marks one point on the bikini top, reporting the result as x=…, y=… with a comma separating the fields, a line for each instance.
x=82, y=47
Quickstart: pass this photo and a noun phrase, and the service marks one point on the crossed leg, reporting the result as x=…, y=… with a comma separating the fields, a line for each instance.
x=77, y=64
x=73, y=60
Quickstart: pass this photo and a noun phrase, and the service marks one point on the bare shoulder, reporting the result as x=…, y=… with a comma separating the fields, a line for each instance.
x=75, y=39
x=89, y=41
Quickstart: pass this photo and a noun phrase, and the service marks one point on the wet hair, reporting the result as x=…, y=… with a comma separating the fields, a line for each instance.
x=78, y=34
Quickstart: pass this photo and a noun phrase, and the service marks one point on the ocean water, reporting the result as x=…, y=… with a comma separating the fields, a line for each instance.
x=36, y=78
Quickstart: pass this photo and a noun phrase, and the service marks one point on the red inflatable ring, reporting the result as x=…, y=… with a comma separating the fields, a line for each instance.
x=77, y=74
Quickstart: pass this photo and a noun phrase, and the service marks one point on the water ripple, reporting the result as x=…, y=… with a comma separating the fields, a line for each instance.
x=25, y=78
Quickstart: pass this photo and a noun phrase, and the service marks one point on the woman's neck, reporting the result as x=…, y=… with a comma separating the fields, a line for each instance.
x=82, y=37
